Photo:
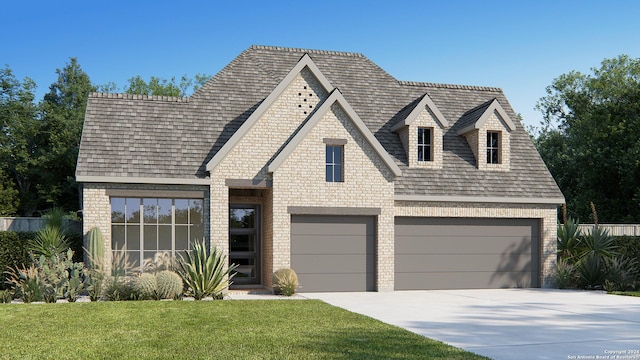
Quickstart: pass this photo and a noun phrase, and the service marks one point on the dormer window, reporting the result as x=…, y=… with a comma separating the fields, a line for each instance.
x=425, y=144
x=493, y=147
x=334, y=169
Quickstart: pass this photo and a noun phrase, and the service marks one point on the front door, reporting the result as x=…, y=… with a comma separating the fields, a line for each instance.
x=244, y=243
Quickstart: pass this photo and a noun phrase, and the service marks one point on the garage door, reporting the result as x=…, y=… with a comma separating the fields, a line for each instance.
x=463, y=253
x=333, y=253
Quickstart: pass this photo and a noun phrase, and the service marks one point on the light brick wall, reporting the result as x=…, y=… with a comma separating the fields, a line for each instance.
x=545, y=213
x=300, y=181
x=250, y=157
x=96, y=207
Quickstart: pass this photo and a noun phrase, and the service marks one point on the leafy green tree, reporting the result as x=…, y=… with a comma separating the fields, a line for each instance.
x=590, y=138
x=21, y=144
x=163, y=87
x=63, y=116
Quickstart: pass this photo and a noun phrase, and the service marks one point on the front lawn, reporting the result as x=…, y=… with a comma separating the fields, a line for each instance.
x=258, y=329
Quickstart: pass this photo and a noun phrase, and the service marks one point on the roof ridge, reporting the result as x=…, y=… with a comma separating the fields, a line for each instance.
x=449, y=86
x=309, y=51
x=102, y=95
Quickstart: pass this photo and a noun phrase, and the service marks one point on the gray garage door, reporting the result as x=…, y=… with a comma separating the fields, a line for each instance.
x=463, y=253
x=333, y=253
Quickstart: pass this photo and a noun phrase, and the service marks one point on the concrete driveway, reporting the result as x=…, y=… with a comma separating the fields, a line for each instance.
x=510, y=323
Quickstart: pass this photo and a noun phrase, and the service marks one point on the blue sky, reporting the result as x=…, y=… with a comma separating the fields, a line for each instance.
x=519, y=46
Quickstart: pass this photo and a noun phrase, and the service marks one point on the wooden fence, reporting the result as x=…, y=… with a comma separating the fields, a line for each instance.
x=31, y=224
x=614, y=229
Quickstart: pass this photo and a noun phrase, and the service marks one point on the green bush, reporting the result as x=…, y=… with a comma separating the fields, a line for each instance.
x=13, y=252
x=5, y=296
x=628, y=246
x=565, y=275
x=285, y=282
x=28, y=282
x=170, y=284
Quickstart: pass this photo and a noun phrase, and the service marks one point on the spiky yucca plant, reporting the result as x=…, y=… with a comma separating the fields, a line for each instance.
x=205, y=274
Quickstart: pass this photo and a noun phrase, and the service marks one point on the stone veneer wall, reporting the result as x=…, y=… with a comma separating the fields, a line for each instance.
x=300, y=181
x=96, y=207
x=546, y=213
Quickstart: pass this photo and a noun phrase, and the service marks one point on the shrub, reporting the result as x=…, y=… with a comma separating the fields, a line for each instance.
x=28, y=282
x=285, y=282
x=63, y=278
x=205, y=275
x=5, y=296
x=118, y=288
x=170, y=285
x=117, y=285
x=49, y=241
x=592, y=272
x=628, y=246
x=565, y=275
x=146, y=286
x=13, y=252
x=622, y=275
x=568, y=239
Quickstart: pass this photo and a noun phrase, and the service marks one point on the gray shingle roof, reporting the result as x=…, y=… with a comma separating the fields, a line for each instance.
x=156, y=137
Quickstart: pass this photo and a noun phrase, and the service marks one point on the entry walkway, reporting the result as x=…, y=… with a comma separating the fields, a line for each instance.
x=510, y=323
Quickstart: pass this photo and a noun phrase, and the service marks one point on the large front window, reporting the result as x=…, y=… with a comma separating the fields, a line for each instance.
x=146, y=226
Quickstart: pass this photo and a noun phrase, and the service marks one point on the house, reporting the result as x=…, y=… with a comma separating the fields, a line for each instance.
x=322, y=162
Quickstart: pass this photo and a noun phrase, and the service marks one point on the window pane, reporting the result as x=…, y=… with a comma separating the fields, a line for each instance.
x=329, y=173
x=242, y=242
x=195, y=211
x=182, y=243
x=164, y=237
x=133, y=237
x=242, y=218
x=420, y=136
x=150, y=237
x=329, y=157
x=133, y=210
x=246, y=267
x=420, y=153
x=117, y=210
x=197, y=233
x=337, y=154
x=182, y=233
x=337, y=173
x=134, y=258
x=149, y=255
x=117, y=237
x=182, y=211
x=150, y=208
x=164, y=211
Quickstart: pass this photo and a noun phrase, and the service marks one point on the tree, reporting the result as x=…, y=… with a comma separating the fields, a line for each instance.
x=590, y=139
x=21, y=144
x=63, y=116
x=163, y=87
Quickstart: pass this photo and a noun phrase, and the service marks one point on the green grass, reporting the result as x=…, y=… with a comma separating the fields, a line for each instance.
x=258, y=329
x=626, y=293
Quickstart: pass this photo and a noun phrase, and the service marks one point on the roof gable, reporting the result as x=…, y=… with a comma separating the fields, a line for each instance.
x=484, y=115
x=335, y=97
x=304, y=62
x=424, y=103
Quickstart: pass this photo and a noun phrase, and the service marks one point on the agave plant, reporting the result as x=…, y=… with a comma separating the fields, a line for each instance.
x=568, y=239
x=205, y=274
x=50, y=241
x=598, y=243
